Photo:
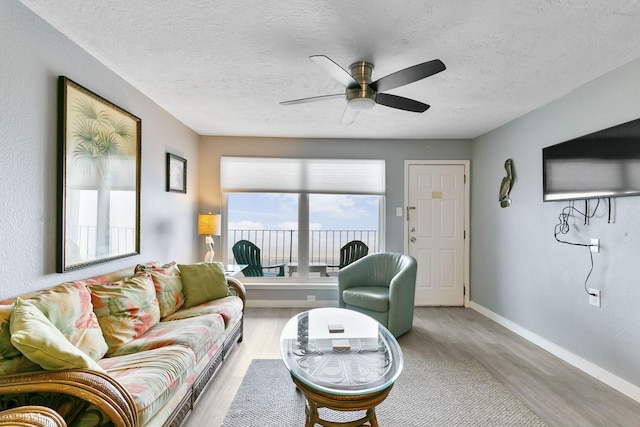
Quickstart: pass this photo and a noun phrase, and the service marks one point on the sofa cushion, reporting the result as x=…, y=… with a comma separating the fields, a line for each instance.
x=230, y=308
x=151, y=377
x=18, y=365
x=41, y=342
x=7, y=350
x=168, y=284
x=125, y=309
x=113, y=276
x=374, y=298
x=197, y=333
x=203, y=282
x=68, y=307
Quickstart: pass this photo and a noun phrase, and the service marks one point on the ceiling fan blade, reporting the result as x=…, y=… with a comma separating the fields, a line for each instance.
x=408, y=75
x=401, y=103
x=313, y=99
x=335, y=71
x=349, y=116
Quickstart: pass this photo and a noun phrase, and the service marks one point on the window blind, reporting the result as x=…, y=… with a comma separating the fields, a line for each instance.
x=289, y=175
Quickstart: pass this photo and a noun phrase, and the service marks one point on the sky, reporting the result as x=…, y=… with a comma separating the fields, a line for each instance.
x=279, y=211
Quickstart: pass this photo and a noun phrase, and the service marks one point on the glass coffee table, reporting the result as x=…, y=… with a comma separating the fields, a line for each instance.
x=341, y=360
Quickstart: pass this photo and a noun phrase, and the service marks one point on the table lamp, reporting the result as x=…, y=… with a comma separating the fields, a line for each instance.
x=209, y=225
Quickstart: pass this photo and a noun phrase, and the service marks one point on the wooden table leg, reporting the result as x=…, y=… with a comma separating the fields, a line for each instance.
x=315, y=399
x=371, y=414
x=311, y=412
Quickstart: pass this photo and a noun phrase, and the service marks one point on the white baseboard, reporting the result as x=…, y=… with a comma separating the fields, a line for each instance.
x=290, y=303
x=584, y=365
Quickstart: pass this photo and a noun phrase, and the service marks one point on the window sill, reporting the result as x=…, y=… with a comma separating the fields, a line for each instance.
x=290, y=285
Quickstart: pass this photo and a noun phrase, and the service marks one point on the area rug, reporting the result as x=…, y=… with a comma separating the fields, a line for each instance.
x=427, y=393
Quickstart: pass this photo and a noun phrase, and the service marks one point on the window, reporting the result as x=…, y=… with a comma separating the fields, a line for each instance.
x=299, y=212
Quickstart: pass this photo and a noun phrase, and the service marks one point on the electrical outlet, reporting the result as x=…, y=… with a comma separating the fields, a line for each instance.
x=594, y=299
x=595, y=245
x=311, y=297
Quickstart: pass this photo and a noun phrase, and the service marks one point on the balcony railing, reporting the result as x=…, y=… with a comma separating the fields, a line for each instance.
x=281, y=246
x=122, y=240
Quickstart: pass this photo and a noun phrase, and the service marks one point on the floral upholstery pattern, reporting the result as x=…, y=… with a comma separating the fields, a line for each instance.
x=197, y=333
x=18, y=365
x=7, y=350
x=168, y=284
x=125, y=309
x=68, y=307
x=228, y=307
x=152, y=376
x=114, y=276
x=156, y=359
x=160, y=417
x=39, y=339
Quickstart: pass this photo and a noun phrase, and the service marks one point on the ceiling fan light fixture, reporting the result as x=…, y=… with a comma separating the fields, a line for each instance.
x=360, y=104
x=359, y=99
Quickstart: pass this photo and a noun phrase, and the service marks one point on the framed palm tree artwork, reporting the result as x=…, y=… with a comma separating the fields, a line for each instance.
x=98, y=179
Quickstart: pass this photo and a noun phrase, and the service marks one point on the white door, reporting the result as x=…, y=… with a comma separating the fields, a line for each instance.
x=436, y=219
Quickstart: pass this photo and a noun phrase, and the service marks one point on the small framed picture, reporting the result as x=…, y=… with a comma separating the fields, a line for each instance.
x=176, y=174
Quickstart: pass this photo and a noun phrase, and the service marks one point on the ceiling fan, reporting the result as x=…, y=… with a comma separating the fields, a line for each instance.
x=362, y=94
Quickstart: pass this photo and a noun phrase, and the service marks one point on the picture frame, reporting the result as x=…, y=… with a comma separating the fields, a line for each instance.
x=176, y=174
x=99, y=150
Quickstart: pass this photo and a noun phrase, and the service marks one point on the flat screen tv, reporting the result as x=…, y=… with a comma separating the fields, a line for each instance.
x=602, y=164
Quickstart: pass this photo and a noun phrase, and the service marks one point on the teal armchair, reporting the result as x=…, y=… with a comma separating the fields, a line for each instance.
x=382, y=286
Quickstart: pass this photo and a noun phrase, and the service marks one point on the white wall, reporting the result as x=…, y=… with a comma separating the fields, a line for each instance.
x=519, y=271
x=32, y=55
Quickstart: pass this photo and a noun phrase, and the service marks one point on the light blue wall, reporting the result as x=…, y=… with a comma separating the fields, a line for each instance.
x=32, y=55
x=520, y=272
x=394, y=152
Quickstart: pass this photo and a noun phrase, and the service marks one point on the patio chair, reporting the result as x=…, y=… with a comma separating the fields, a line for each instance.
x=351, y=252
x=245, y=252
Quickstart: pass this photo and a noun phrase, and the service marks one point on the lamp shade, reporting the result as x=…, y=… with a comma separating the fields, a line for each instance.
x=209, y=224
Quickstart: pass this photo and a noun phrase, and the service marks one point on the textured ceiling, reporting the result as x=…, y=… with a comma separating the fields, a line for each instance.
x=222, y=67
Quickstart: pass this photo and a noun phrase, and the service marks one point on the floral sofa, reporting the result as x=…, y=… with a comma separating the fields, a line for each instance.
x=131, y=348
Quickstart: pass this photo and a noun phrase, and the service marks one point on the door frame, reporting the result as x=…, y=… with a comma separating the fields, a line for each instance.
x=467, y=200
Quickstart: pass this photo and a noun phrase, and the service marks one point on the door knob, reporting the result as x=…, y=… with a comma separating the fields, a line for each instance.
x=413, y=239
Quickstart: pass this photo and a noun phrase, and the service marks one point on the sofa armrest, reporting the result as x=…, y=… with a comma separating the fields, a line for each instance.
x=31, y=416
x=237, y=289
x=92, y=387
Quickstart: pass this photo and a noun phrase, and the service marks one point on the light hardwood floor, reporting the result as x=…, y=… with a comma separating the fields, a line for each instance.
x=557, y=392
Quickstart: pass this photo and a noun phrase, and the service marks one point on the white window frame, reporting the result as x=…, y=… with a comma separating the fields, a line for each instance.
x=362, y=181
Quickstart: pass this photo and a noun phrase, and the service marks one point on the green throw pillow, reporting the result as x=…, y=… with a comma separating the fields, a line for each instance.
x=203, y=282
x=42, y=343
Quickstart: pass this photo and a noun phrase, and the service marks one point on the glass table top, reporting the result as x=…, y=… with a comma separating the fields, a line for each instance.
x=340, y=351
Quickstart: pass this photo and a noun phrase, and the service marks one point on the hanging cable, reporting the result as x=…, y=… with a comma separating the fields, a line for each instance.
x=563, y=228
x=586, y=289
